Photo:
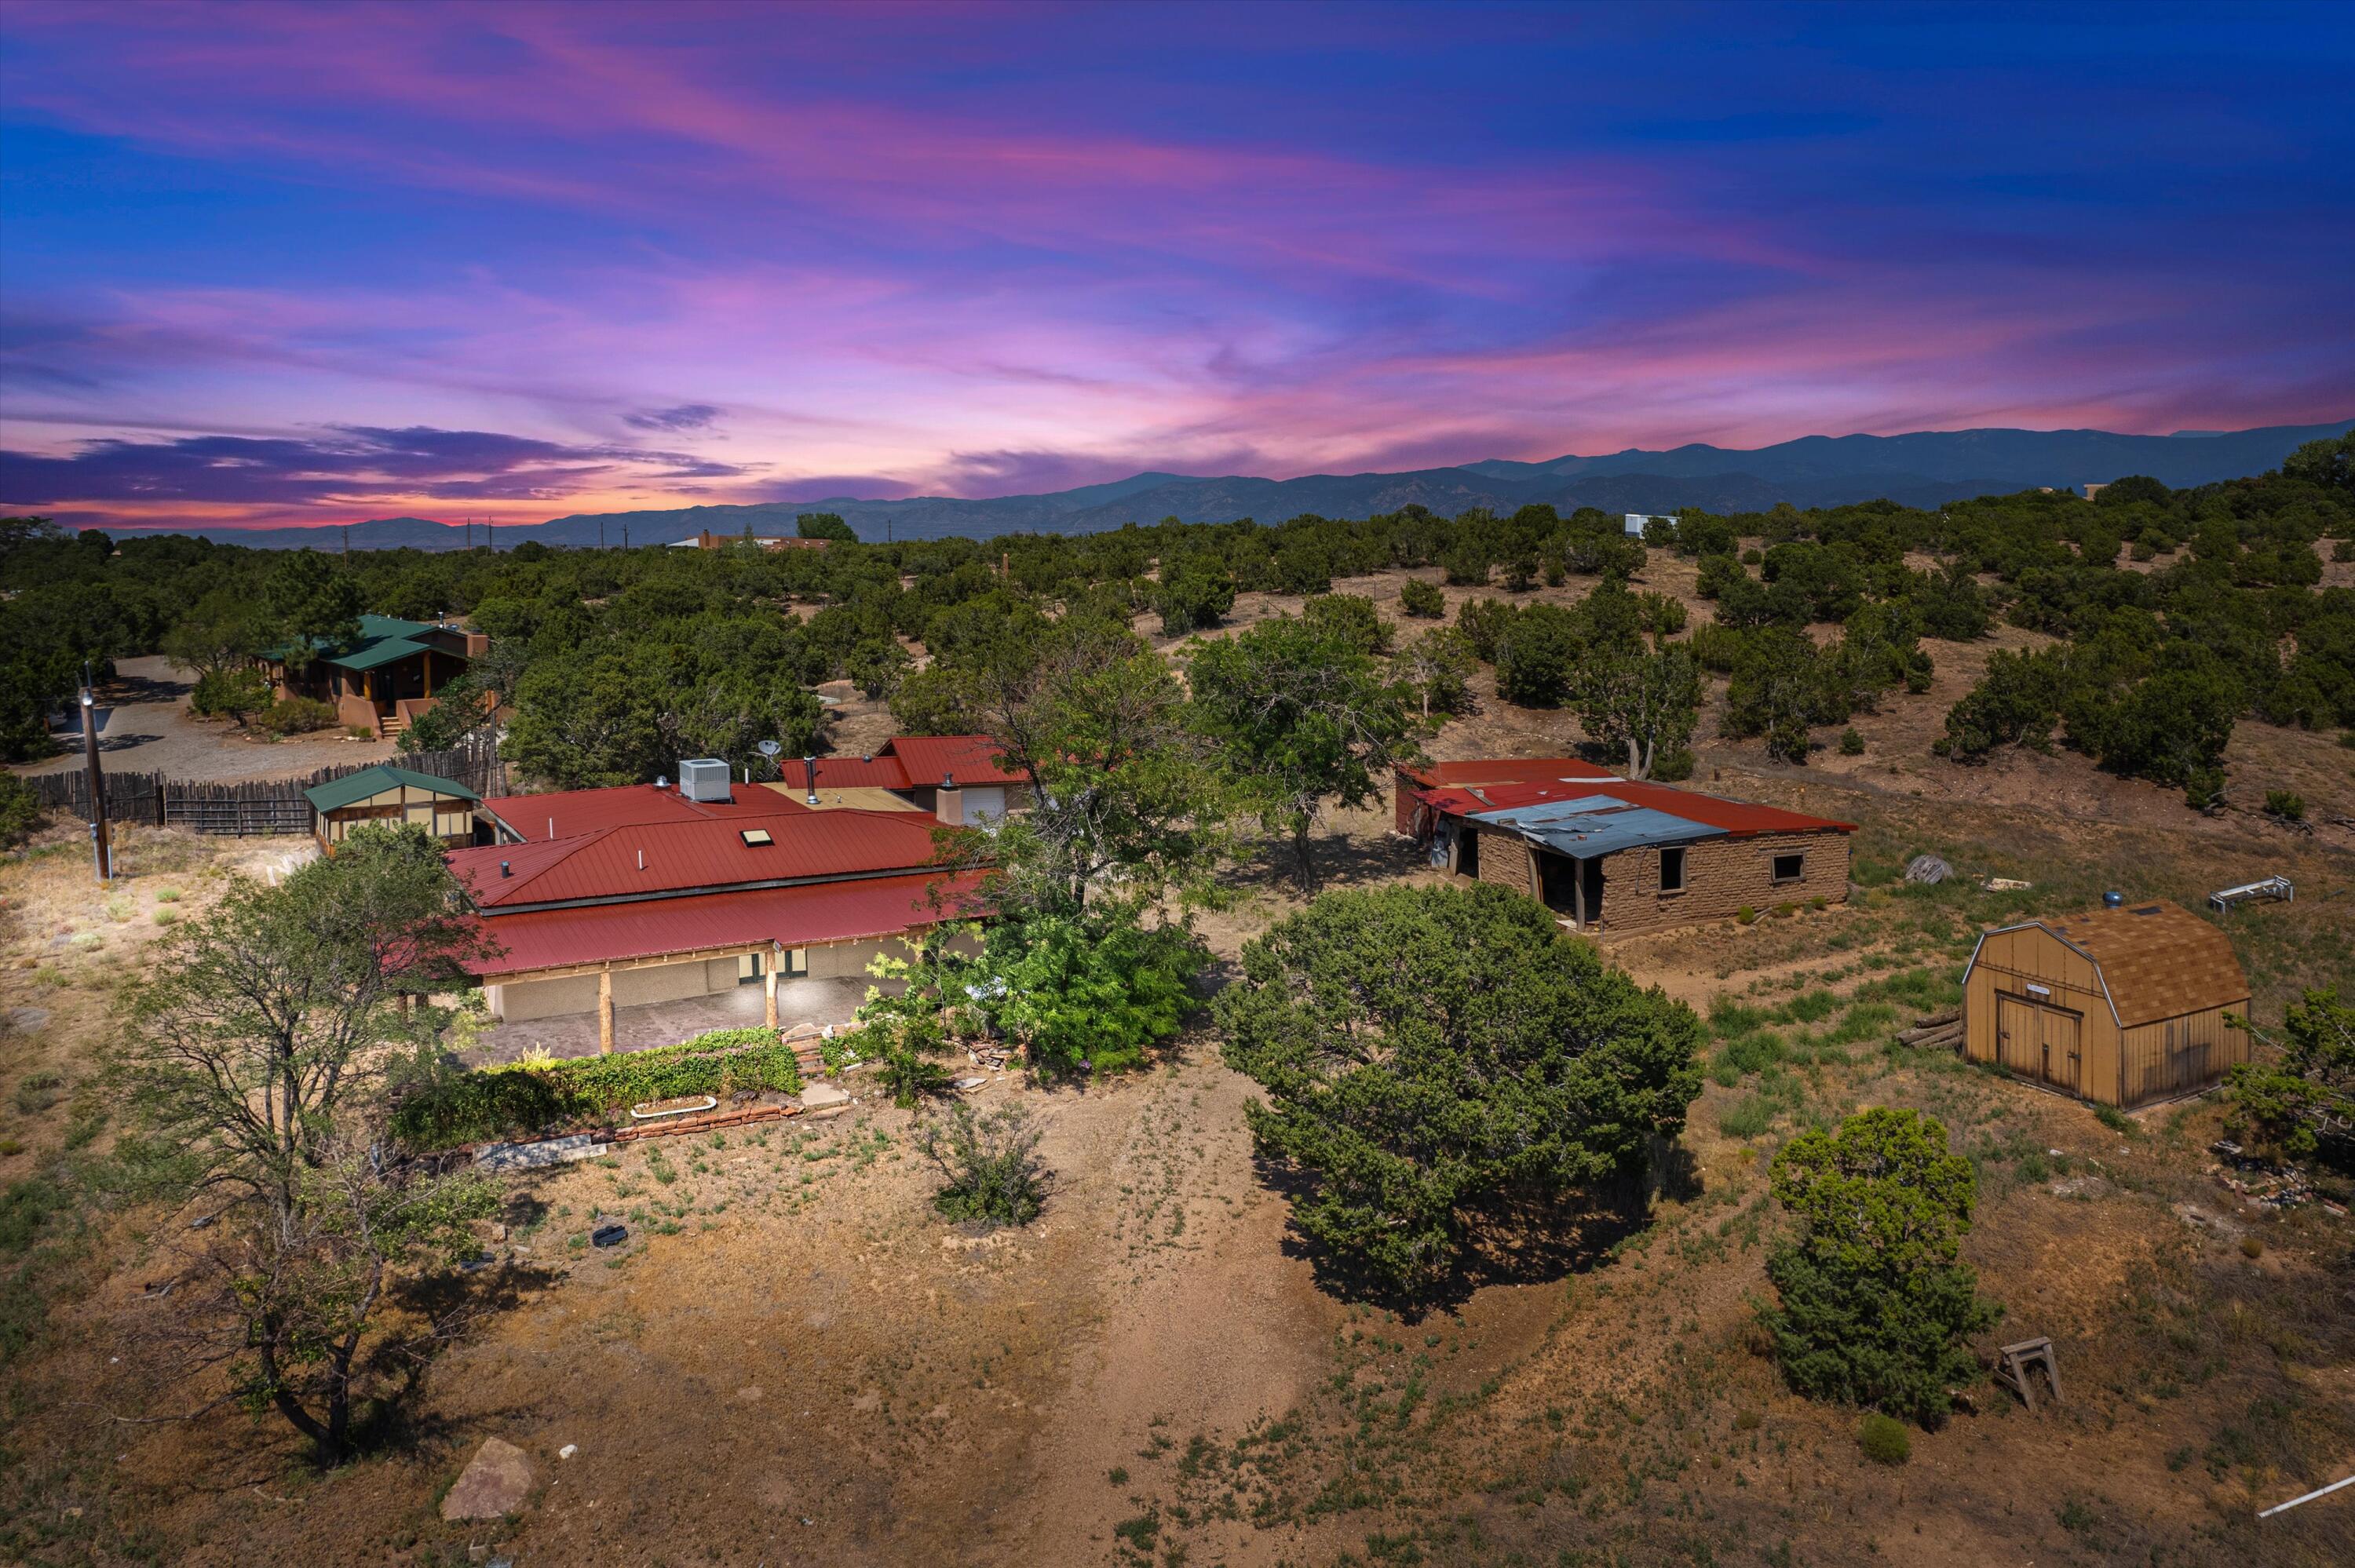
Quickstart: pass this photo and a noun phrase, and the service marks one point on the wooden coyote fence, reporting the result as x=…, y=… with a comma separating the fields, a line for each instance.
x=256, y=807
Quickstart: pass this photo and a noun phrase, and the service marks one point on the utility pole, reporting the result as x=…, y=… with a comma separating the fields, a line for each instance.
x=491, y=536
x=98, y=840
x=347, y=542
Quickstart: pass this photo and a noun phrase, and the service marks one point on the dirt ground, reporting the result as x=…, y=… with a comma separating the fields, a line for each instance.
x=795, y=1361
x=149, y=729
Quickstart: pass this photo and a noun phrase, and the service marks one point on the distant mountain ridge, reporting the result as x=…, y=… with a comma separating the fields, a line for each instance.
x=1924, y=469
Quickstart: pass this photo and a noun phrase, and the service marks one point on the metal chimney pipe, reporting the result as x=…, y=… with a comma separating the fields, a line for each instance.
x=810, y=763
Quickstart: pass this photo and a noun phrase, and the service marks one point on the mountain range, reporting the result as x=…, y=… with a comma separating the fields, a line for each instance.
x=1925, y=469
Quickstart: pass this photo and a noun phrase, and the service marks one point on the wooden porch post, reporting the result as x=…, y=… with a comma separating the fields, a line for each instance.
x=605, y=1011
x=769, y=986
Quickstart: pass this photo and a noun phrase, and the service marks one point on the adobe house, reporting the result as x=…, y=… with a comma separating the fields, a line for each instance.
x=381, y=679
x=2119, y=1006
x=606, y=898
x=445, y=810
x=1616, y=857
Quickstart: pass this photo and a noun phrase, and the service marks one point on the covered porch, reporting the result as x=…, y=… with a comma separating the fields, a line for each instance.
x=647, y=1024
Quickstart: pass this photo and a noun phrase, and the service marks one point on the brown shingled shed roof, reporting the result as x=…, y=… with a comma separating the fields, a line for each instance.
x=2157, y=959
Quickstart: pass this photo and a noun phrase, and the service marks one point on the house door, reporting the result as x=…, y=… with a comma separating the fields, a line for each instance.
x=1592, y=872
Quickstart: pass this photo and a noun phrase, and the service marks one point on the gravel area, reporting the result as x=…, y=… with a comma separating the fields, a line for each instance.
x=147, y=729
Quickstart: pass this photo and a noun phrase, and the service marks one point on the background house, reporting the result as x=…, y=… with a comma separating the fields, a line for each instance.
x=381, y=679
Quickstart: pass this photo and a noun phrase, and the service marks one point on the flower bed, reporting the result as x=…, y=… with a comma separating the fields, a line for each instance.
x=533, y=1097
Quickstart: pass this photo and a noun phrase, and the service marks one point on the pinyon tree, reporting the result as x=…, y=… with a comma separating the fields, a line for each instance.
x=1429, y=1051
x=1875, y=1301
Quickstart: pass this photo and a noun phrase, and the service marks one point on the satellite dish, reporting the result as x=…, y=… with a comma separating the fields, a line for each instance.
x=769, y=748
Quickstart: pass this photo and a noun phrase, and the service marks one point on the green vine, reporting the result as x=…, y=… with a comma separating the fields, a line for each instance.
x=532, y=1097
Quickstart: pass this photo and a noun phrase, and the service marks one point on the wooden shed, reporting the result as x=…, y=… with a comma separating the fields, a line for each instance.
x=445, y=810
x=2118, y=1006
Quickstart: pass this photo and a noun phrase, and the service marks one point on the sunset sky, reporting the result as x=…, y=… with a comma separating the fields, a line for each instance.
x=288, y=263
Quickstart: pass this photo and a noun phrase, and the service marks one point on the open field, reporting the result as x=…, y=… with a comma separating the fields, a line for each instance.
x=795, y=1361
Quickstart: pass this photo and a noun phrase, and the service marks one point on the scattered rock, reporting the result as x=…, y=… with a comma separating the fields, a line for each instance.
x=1927, y=868
x=567, y=1450
x=494, y=1483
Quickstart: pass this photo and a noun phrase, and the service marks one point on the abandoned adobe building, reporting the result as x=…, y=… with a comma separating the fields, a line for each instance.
x=2119, y=1006
x=1615, y=857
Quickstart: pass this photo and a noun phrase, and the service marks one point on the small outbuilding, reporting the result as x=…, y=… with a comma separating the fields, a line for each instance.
x=2119, y=1006
x=445, y=810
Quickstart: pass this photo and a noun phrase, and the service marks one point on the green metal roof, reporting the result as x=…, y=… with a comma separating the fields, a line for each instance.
x=383, y=639
x=376, y=781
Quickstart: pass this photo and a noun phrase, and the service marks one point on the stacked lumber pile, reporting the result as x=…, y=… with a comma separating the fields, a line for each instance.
x=1939, y=1031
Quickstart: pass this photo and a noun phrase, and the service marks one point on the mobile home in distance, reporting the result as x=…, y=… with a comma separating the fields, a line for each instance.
x=2119, y=1006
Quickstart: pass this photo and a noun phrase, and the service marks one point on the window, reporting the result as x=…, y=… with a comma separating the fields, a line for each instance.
x=797, y=961
x=748, y=968
x=1790, y=867
x=1672, y=870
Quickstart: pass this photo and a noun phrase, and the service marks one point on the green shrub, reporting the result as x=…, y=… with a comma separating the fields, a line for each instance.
x=229, y=693
x=20, y=811
x=1884, y=1441
x=2114, y=1119
x=2289, y=807
x=1747, y=1117
x=1850, y=743
x=1745, y=914
x=1421, y=600
x=989, y=1165
x=295, y=716
x=2253, y=1246
x=532, y=1097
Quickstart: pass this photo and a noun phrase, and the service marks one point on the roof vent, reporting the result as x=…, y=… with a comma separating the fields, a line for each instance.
x=2113, y=900
x=704, y=779
x=662, y=780
x=809, y=766
x=506, y=869
x=2148, y=909
x=757, y=836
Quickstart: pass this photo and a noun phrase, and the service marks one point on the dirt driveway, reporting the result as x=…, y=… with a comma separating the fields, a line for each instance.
x=147, y=729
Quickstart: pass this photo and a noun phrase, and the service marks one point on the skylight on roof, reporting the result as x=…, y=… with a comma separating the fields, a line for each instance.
x=757, y=836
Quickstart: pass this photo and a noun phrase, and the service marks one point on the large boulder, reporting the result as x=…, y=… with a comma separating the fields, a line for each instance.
x=495, y=1482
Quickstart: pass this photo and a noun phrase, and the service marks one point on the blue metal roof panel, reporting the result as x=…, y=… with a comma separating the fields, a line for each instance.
x=1597, y=824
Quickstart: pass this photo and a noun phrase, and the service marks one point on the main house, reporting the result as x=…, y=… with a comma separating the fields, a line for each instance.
x=381, y=679
x=604, y=898
x=1618, y=856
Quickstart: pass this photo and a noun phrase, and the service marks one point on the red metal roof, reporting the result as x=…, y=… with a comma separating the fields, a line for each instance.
x=644, y=858
x=1507, y=770
x=789, y=916
x=576, y=811
x=968, y=758
x=1736, y=818
x=910, y=762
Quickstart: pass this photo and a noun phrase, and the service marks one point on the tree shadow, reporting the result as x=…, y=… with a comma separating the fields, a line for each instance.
x=393, y=1417
x=1514, y=1238
x=1342, y=859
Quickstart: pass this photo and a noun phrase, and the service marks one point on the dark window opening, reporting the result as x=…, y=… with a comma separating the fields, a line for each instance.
x=1790, y=867
x=1468, y=851
x=1672, y=870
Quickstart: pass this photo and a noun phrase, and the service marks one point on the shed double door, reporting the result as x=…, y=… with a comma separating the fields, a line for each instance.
x=2039, y=1042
